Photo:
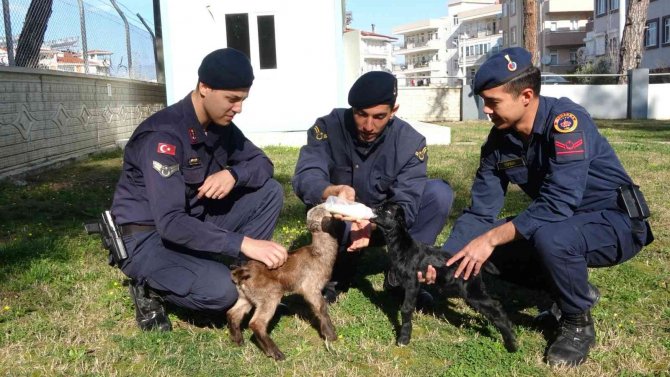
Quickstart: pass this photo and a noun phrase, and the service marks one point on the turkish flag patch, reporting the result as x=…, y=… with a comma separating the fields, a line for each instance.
x=570, y=147
x=166, y=149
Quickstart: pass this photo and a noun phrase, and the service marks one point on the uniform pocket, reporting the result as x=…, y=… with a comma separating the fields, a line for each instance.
x=194, y=176
x=518, y=176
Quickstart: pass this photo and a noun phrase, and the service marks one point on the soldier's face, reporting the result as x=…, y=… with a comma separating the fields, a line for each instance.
x=371, y=121
x=503, y=108
x=221, y=106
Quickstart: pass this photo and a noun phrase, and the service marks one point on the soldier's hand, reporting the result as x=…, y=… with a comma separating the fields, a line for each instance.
x=360, y=234
x=270, y=253
x=431, y=275
x=217, y=185
x=342, y=191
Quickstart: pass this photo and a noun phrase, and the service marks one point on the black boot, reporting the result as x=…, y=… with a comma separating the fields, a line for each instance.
x=551, y=317
x=149, y=310
x=344, y=270
x=576, y=335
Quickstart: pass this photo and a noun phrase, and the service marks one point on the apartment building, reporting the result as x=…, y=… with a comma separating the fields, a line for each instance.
x=424, y=52
x=366, y=51
x=477, y=33
x=603, y=40
x=562, y=27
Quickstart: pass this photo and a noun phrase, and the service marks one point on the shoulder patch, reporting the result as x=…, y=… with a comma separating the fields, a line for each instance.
x=570, y=147
x=565, y=122
x=165, y=148
x=421, y=153
x=165, y=170
x=318, y=134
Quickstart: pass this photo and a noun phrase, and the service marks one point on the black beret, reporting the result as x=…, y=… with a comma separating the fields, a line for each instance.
x=226, y=68
x=502, y=68
x=373, y=88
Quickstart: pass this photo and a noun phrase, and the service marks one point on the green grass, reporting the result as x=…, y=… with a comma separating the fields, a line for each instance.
x=64, y=312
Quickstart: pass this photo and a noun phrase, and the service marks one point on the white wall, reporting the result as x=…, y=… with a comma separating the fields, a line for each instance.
x=308, y=80
x=659, y=104
x=601, y=101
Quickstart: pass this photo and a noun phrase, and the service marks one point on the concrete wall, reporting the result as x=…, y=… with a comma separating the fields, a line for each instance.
x=601, y=101
x=309, y=79
x=429, y=104
x=659, y=105
x=48, y=117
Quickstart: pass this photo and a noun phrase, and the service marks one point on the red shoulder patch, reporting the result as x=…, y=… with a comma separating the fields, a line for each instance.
x=165, y=148
x=570, y=147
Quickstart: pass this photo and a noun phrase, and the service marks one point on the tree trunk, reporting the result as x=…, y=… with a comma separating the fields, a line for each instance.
x=32, y=34
x=633, y=37
x=530, y=28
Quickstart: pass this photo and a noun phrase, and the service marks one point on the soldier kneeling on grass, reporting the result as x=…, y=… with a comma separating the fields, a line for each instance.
x=194, y=188
x=585, y=210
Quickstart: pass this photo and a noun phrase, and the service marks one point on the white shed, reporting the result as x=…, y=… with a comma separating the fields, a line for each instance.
x=295, y=47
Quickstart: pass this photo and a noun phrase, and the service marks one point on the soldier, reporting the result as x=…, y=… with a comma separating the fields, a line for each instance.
x=585, y=209
x=192, y=189
x=366, y=154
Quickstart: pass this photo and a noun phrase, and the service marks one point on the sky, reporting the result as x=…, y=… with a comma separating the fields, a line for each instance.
x=388, y=14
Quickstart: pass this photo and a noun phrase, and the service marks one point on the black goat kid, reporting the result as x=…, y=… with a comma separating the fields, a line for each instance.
x=408, y=256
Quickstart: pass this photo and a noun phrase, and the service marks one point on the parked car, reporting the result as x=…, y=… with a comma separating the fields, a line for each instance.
x=549, y=78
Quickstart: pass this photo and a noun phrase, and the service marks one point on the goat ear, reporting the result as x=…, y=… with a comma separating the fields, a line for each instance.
x=313, y=226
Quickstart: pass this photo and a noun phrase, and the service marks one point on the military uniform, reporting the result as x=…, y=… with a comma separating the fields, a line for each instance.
x=393, y=167
x=572, y=174
x=174, y=239
x=585, y=210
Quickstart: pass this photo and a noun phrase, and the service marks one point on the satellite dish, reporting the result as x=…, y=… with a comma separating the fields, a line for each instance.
x=546, y=59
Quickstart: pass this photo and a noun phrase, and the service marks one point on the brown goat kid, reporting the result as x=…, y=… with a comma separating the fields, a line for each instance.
x=306, y=272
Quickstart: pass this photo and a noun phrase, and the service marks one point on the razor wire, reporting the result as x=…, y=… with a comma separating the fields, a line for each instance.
x=84, y=36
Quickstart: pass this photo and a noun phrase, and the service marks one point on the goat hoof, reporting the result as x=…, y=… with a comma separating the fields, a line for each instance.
x=511, y=346
x=402, y=341
x=277, y=355
x=331, y=337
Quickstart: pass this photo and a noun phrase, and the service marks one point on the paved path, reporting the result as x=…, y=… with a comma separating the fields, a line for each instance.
x=435, y=135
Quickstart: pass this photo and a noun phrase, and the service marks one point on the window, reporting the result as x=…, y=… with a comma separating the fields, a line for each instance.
x=512, y=37
x=267, y=48
x=651, y=34
x=237, y=32
x=573, y=56
x=574, y=25
x=512, y=7
x=554, y=57
x=666, y=30
x=601, y=7
x=455, y=20
x=614, y=5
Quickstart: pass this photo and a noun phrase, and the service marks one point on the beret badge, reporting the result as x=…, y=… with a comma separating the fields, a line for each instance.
x=511, y=65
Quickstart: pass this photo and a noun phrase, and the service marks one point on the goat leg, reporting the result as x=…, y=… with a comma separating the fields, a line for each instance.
x=259, y=325
x=475, y=295
x=406, y=312
x=235, y=315
x=320, y=309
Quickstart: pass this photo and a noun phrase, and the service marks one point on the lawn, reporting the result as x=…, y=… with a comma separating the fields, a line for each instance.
x=64, y=311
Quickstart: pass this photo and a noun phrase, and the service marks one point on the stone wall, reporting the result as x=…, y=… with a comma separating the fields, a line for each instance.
x=49, y=117
x=430, y=103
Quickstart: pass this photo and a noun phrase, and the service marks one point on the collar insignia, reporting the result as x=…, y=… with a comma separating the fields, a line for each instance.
x=193, y=135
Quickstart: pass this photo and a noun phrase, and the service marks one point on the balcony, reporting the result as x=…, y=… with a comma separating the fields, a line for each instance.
x=564, y=38
x=431, y=45
x=424, y=67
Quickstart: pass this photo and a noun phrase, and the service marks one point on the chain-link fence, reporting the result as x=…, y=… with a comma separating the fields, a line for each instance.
x=99, y=37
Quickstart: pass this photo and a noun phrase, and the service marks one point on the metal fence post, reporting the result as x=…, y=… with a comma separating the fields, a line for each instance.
x=125, y=22
x=8, y=33
x=82, y=25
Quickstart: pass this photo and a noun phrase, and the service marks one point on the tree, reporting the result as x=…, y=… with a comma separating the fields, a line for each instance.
x=530, y=28
x=32, y=34
x=633, y=36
